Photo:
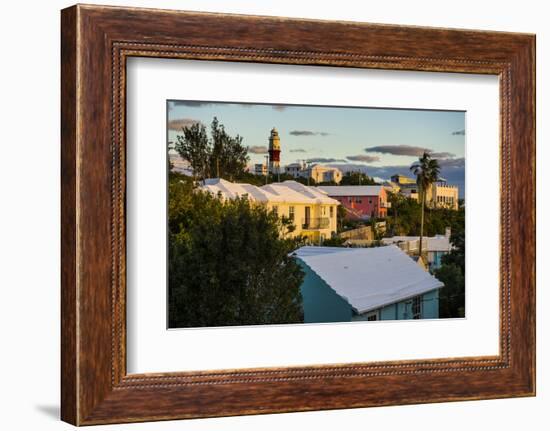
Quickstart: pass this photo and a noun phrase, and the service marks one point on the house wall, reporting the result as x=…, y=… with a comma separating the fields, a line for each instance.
x=438, y=195
x=322, y=174
x=317, y=212
x=365, y=205
x=434, y=258
x=403, y=310
x=321, y=303
x=444, y=196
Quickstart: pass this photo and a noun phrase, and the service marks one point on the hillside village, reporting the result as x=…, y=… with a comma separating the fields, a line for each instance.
x=358, y=243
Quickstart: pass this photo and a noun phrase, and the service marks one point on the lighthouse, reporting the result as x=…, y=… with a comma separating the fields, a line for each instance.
x=274, y=152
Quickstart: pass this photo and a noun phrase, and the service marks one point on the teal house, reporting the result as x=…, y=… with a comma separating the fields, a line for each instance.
x=365, y=284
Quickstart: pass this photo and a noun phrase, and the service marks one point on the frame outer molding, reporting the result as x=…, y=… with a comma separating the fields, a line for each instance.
x=95, y=41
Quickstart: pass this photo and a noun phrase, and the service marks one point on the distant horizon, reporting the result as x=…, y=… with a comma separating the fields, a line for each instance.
x=351, y=138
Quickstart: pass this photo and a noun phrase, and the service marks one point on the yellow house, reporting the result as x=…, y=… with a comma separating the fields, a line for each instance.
x=444, y=195
x=312, y=213
x=439, y=195
x=322, y=174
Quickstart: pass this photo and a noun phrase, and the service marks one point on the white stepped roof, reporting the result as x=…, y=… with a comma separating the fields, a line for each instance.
x=351, y=190
x=285, y=192
x=369, y=278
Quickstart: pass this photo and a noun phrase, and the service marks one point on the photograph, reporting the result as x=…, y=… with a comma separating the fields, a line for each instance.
x=293, y=214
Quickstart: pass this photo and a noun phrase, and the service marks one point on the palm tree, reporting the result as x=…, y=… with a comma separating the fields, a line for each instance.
x=427, y=171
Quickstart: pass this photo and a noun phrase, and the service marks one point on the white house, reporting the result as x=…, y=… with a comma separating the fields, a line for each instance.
x=312, y=212
x=435, y=246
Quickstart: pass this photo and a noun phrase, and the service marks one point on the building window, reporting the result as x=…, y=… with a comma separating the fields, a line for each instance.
x=291, y=213
x=323, y=211
x=275, y=210
x=417, y=307
x=359, y=200
x=331, y=212
x=372, y=316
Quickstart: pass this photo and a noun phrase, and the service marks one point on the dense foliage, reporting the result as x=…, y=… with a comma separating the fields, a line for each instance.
x=427, y=171
x=404, y=218
x=452, y=274
x=352, y=178
x=219, y=156
x=228, y=265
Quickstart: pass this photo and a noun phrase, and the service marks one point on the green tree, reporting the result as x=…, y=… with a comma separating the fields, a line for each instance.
x=335, y=241
x=220, y=156
x=341, y=214
x=451, y=296
x=396, y=200
x=427, y=171
x=356, y=179
x=404, y=219
x=228, y=264
x=194, y=147
x=452, y=273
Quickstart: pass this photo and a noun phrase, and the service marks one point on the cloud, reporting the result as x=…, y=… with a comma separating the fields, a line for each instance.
x=459, y=132
x=458, y=163
x=350, y=167
x=363, y=158
x=398, y=150
x=451, y=169
x=307, y=133
x=179, y=123
x=190, y=103
x=408, y=150
x=442, y=155
x=297, y=150
x=324, y=160
x=200, y=104
x=257, y=149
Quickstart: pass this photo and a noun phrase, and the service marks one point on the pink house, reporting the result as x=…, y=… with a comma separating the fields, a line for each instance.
x=360, y=201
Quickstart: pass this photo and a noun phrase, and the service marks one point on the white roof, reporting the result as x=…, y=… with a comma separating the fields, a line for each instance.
x=351, y=190
x=433, y=243
x=324, y=167
x=180, y=165
x=369, y=278
x=285, y=192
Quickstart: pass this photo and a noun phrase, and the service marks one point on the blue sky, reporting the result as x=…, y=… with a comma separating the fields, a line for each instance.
x=380, y=142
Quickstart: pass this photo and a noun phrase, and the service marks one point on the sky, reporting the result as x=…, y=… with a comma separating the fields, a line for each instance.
x=379, y=142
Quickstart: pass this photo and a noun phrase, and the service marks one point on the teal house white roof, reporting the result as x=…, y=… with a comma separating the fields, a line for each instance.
x=368, y=278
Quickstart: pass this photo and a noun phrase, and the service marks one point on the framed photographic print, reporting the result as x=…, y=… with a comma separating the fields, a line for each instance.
x=264, y=215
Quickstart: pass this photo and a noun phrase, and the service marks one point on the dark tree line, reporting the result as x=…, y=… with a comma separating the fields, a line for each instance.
x=452, y=273
x=404, y=218
x=228, y=265
x=353, y=178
